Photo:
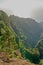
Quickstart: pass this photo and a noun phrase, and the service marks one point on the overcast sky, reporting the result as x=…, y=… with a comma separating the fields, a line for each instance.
x=22, y=8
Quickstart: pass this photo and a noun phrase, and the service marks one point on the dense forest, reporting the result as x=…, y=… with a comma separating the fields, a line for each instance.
x=19, y=38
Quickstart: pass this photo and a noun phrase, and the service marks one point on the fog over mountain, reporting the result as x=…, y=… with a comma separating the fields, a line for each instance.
x=24, y=8
x=37, y=14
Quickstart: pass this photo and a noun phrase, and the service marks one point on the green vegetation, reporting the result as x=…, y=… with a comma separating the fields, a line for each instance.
x=29, y=27
x=8, y=41
x=40, y=47
x=41, y=62
x=13, y=44
x=31, y=54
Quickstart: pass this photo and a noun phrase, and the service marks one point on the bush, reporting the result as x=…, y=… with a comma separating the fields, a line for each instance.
x=41, y=62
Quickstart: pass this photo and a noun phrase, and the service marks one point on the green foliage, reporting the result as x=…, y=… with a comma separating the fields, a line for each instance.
x=30, y=54
x=4, y=17
x=8, y=39
x=40, y=47
x=11, y=42
x=41, y=62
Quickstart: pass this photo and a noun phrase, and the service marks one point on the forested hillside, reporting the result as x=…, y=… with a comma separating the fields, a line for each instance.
x=14, y=39
x=8, y=37
x=27, y=26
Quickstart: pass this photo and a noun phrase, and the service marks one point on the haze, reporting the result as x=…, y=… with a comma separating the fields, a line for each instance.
x=23, y=8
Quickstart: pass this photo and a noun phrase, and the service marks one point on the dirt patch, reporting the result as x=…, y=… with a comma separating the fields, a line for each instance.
x=16, y=62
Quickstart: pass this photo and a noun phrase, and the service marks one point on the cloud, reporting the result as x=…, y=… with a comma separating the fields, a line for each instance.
x=38, y=14
x=2, y=1
x=22, y=8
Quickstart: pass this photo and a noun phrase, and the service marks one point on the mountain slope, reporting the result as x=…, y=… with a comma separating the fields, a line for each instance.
x=10, y=44
x=40, y=47
x=41, y=25
x=29, y=27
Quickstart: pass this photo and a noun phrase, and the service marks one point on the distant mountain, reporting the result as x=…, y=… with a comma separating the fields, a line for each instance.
x=29, y=27
x=41, y=25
